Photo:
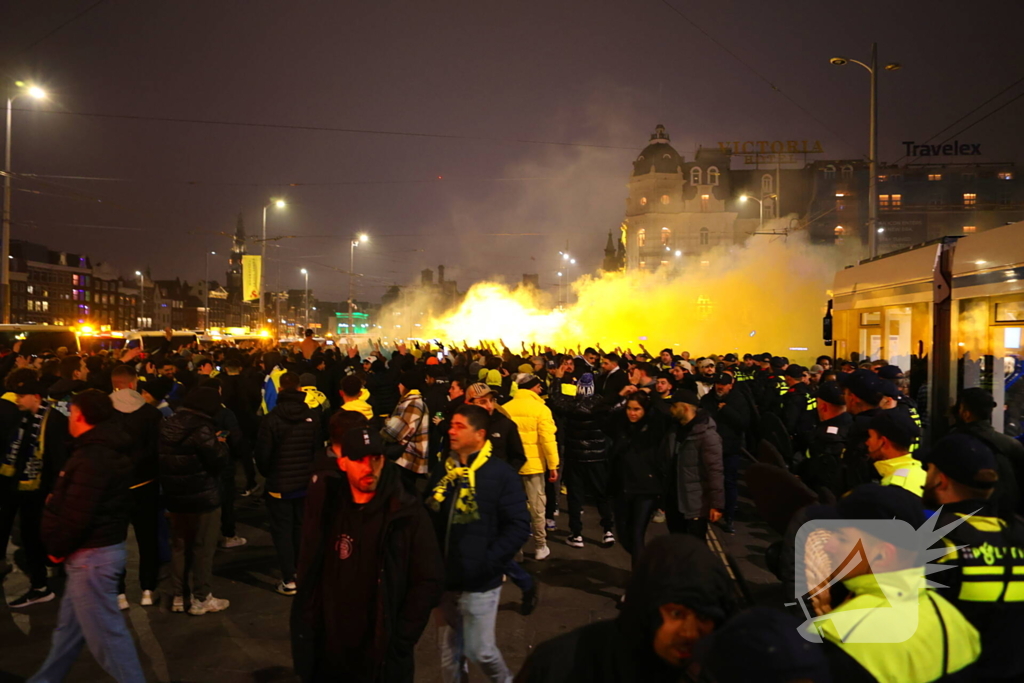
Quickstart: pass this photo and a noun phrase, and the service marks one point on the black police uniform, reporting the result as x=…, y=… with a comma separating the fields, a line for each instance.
x=824, y=454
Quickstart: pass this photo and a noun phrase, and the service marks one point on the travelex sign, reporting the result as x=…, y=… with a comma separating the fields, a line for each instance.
x=951, y=149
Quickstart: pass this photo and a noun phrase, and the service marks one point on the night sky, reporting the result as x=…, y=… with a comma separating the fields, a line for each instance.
x=594, y=72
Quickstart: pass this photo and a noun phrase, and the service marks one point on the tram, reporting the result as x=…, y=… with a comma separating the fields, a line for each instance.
x=950, y=310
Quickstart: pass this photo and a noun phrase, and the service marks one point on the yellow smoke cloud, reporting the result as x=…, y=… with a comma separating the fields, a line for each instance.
x=765, y=296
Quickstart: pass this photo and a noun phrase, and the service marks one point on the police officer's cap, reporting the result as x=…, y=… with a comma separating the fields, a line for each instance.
x=748, y=356
x=890, y=372
x=831, y=392
x=864, y=384
x=795, y=371
x=777, y=361
x=897, y=426
x=877, y=502
x=964, y=459
x=731, y=358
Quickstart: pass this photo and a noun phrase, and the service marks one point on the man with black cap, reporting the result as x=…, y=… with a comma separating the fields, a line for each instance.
x=973, y=414
x=862, y=392
x=288, y=441
x=986, y=581
x=732, y=417
x=678, y=596
x=827, y=442
x=370, y=569
x=892, y=627
x=897, y=388
x=695, y=492
x=890, y=435
x=29, y=466
x=798, y=408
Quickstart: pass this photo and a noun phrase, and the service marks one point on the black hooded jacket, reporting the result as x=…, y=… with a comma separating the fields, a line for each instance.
x=191, y=460
x=675, y=569
x=90, y=503
x=584, y=418
x=289, y=439
x=411, y=576
x=636, y=457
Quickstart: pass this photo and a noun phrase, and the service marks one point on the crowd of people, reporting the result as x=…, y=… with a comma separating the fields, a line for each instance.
x=408, y=483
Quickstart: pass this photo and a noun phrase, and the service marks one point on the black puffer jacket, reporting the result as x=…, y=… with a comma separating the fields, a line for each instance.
x=141, y=422
x=191, y=460
x=90, y=503
x=640, y=468
x=383, y=387
x=289, y=438
x=584, y=417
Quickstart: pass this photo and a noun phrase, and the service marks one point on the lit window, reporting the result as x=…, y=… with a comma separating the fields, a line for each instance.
x=666, y=235
x=766, y=184
x=1005, y=175
x=970, y=199
x=934, y=176
x=839, y=231
x=883, y=201
x=970, y=229
x=882, y=178
x=704, y=201
x=847, y=172
x=665, y=199
x=643, y=201
x=704, y=235
x=641, y=238
x=713, y=175
x=897, y=202
x=695, y=176
x=74, y=279
x=643, y=264
x=664, y=263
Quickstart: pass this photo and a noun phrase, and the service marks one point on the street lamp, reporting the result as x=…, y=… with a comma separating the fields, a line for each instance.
x=760, y=204
x=206, y=318
x=279, y=203
x=872, y=142
x=306, y=273
x=5, y=249
x=142, y=297
x=362, y=238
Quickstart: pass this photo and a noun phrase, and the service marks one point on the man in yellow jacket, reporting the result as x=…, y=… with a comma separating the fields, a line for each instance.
x=537, y=430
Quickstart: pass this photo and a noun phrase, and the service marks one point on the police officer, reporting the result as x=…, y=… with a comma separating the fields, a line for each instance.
x=862, y=392
x=798, y=408
x=986, y=581
x=890, y=436
x=745, y=370
x=827, y=442
x=894, y=376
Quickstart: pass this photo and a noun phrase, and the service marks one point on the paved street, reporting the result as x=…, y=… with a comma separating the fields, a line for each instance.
x=249, y=642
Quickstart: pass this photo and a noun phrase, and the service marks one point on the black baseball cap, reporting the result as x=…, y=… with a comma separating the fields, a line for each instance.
x=890, y=372
x=777, y=361
x=876, y=502
x=831, y=392
x=864, y=384
x=748, y=356
x=723, y=378
x=731, y=358
x=962, y=458
x=895, y=425
x=763, y=357
x=28, y=387
x=795, y=371
x=356, y=444
x=684, y=396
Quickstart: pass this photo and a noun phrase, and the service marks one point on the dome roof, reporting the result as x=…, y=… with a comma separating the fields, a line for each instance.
x=659, y=154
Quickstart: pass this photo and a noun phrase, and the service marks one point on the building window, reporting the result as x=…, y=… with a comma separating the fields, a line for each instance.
x=695, y=176
x=665, y=199
x=1005, y=175
x=883, y=201
x=643, y=201
x=897, y=202
x=704, y=235
x=713, y=175
x=934, y=176
x=766, y=184
x=641, y=237
x=705, y=199
x=666, y=236
x=847, y=172
x=968, y=229
x=643, y=264
x=970, y=199
x=830, y=171
x=882, y=178
x=664, y=263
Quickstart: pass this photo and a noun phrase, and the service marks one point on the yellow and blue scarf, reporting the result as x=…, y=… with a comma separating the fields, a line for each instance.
x=466, y=508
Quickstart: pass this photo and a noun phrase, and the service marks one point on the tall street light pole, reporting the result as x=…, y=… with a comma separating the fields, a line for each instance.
x=760, y=207
x=279, y=203
x=142, y=296
x=5, y=249
x=206, y=318
x=306, y=273
x=872, y=68
x=351, y=273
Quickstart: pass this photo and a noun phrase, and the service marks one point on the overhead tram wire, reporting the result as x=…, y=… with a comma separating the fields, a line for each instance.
x=326, y=129
x=1004, y=105
x=7, y=59
x=754, y=71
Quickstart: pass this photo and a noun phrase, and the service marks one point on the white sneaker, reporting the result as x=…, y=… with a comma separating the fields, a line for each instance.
x=232, y=542
x=542, y=553
x=210, y=604
x=122, y=602
x=659, y=517
x=575, y=541
x=147, y=598
x=178, y=605
x=609, y=539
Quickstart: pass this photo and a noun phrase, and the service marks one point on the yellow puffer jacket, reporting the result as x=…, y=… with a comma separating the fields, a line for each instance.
x=536, y=429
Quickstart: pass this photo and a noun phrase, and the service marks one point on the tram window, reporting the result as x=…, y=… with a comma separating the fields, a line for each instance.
x=874, y=318
x=1011, y=337
x=1010, y=312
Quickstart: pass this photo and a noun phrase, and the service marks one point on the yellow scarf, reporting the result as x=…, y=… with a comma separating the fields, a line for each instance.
x=466, y=509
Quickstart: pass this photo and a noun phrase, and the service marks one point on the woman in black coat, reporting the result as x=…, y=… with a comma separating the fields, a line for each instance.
x=638, y=474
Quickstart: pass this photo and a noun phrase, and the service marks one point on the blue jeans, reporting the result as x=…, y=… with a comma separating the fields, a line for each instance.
x=466, y=632
x=89, y=615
